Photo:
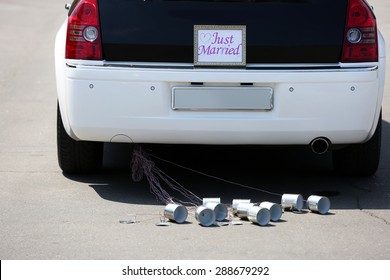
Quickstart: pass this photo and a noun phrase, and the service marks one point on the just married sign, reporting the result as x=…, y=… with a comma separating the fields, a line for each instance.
x=219, y=45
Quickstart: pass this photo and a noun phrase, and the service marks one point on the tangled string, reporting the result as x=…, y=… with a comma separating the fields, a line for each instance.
x=142, y=165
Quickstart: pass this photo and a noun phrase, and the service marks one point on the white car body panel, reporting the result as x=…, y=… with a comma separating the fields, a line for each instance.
x=121, y=102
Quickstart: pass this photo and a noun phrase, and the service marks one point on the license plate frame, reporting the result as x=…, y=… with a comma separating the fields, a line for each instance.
x=207, y=98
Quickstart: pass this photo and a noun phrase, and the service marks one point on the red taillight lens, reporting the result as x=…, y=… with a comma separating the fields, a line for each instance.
x=360, y=42
x=83, y=35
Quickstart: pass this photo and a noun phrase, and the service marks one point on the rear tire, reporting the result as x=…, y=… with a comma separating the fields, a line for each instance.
x=77, y=156
x=360, y=159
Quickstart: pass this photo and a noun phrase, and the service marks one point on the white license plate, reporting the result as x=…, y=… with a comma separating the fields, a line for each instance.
x=222, y=98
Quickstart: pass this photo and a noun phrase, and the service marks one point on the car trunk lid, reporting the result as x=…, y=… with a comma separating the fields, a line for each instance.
x=277, y=31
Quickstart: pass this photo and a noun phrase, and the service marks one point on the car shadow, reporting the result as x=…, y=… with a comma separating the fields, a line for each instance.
x=242, y=172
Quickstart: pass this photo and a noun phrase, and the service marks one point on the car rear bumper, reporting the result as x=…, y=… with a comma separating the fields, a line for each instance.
x=124, y=103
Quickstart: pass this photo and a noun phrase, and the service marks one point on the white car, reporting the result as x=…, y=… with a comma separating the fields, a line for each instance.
x=220, y=73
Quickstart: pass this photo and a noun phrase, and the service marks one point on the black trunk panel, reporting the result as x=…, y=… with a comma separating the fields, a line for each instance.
x=278, y=31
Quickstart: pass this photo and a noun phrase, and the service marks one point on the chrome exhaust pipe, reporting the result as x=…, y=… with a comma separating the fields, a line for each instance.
x=320, y=145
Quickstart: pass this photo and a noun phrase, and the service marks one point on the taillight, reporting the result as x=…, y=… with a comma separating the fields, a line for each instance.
x=360, y=42
x=83, y=35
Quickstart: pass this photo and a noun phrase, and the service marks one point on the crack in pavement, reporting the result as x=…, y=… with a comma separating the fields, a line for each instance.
x=375, y=216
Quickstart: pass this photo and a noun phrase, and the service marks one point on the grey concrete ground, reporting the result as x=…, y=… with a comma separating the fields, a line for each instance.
x=46, y=215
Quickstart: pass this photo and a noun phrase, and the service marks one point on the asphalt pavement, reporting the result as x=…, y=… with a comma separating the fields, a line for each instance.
x=47, y=215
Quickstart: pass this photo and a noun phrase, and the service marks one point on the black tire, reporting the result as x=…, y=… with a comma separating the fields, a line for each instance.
x=360, y=159
x=77, y=156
